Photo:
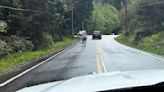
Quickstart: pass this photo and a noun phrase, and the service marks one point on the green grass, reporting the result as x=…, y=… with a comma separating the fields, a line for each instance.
x=153, y=44
x=13, y=60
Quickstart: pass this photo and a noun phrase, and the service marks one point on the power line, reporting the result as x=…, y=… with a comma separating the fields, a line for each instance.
x=126, y=16
x=17, y=9
x=151, y=4
x=72, y=13
x=28, y=10
x=126, y=9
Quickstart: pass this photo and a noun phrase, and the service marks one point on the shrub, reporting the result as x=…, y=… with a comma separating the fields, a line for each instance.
x=4, y=48
x=15, y=44
x=46, y=41
x=21, y=44
x=3, y=26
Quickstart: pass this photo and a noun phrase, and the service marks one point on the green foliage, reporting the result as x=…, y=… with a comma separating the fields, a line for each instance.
x=11, y=61
x=4, y=48
x=40, y=23
x=3, y=26
x=14, y=44
x=29, y=28
x=116, y=3
x=105, y=18
x=144, y=21
x=156, y=40
x=145, y=25
x=19, y=44
x=153, y=44
x=47, y=41
x=83, y=11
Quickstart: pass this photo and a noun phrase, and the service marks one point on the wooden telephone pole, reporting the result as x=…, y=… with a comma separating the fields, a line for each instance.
x=126, y=15
x=72, y=18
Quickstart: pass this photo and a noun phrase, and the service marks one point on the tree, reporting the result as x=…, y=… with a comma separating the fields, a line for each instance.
x=105, y=18
x=41, y=21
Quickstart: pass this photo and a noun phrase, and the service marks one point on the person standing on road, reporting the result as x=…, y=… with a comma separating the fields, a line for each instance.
x=83, y=37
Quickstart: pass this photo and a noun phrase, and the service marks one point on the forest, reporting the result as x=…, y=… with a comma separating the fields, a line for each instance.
x=144, y=27
x=27, y=25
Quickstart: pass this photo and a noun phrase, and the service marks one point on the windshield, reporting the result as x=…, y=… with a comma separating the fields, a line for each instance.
x=42, y=41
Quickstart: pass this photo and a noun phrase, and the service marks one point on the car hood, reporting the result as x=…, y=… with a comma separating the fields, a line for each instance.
x=100, y=82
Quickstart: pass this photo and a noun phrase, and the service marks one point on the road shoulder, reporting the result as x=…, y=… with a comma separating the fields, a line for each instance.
x=141, y=51
x=21, y=68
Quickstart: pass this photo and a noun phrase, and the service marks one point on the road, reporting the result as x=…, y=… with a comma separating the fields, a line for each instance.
x=99, y=56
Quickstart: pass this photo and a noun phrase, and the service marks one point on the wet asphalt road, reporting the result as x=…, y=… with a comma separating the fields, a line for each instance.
x=98, y=56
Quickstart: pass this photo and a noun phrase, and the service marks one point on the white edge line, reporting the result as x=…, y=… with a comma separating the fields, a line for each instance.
x=143, y=52
x=148, y=54
x=28, y=70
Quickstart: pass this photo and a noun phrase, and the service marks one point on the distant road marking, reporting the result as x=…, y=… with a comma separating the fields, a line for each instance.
x=28, y=70
x=99, y=60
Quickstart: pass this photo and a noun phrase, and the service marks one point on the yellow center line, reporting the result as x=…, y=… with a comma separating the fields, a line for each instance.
x=99, y=60
x=98, y=63
x=102, y=61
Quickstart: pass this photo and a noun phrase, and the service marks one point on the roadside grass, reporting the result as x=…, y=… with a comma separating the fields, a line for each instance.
x=153, y=44
x=11, y=61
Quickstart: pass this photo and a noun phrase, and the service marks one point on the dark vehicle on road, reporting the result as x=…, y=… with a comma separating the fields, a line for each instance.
x=96, y=34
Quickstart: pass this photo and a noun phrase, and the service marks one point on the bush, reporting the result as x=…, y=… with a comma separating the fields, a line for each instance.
x=46, y=41
x=153, y=44
x=20, y=44
x=4, y=48
x=154, y=41
x=15, y=44
x=3, y=26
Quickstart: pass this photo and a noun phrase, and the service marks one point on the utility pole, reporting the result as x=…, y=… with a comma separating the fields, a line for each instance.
x=72, y=18
x=82, y=25
x=126, y=15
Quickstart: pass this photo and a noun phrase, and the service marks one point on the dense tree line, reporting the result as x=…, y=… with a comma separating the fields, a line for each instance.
x=116, y=3
x=145, y=18
x=105, y=17
x=145, y=25
x=36, y=24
